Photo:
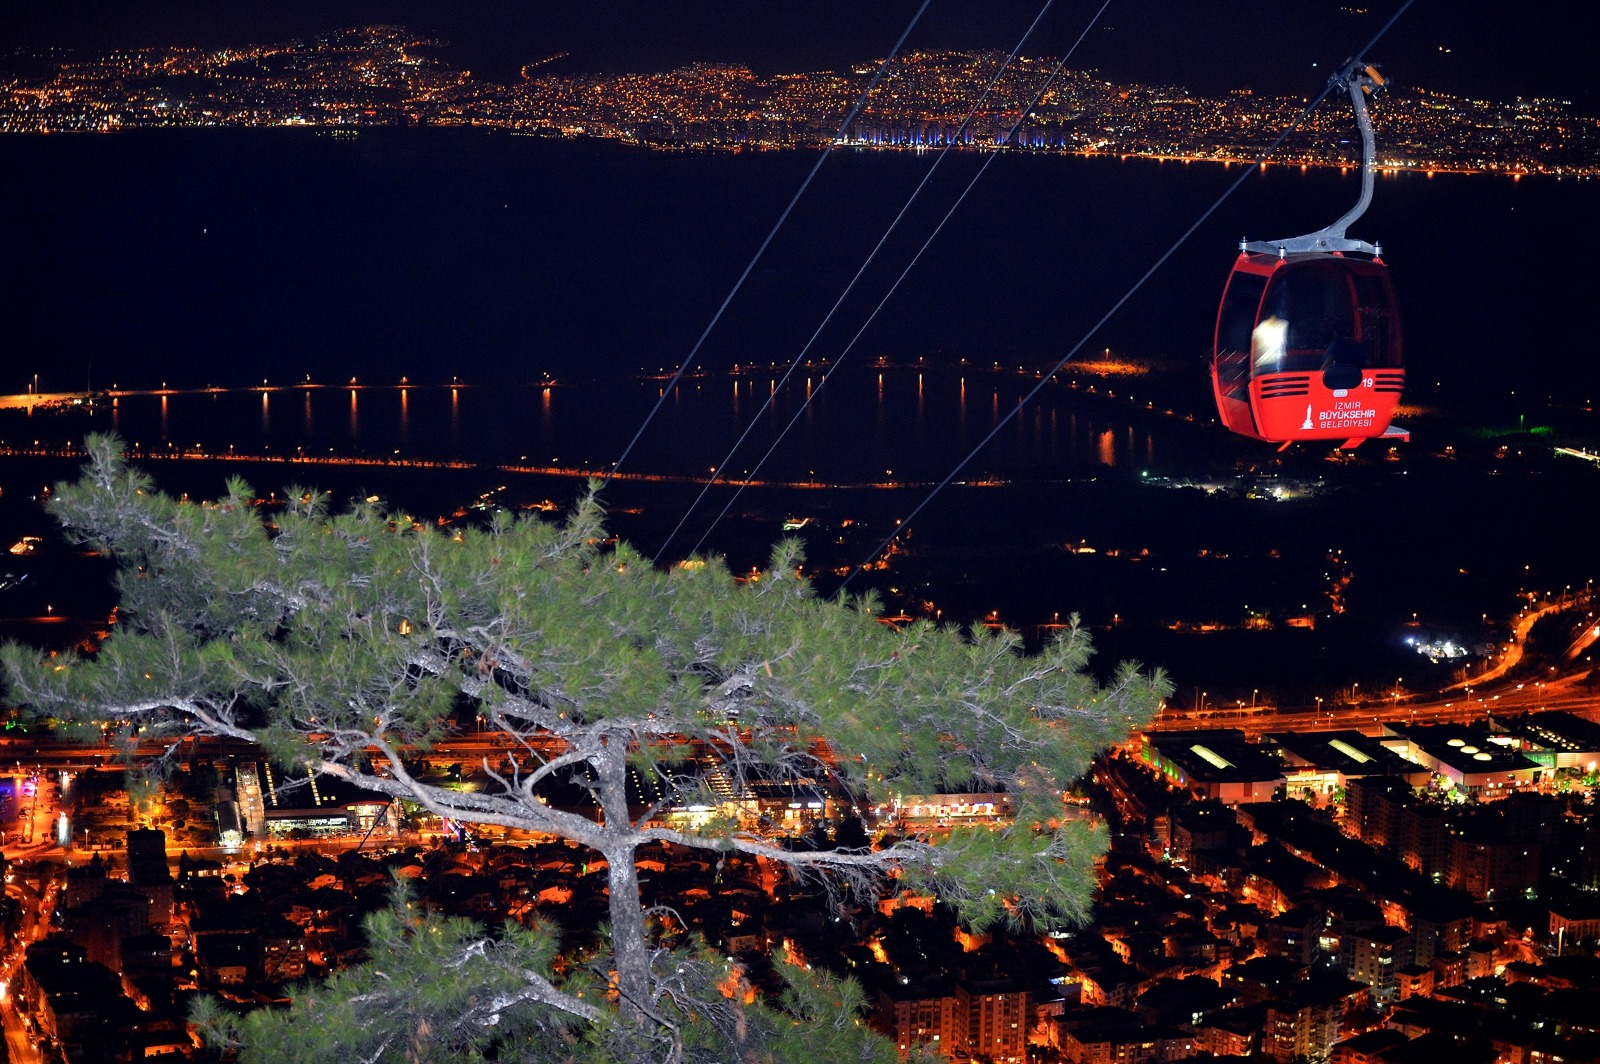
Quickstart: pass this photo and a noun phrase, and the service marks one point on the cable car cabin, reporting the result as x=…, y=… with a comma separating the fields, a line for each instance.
x=1308, y=348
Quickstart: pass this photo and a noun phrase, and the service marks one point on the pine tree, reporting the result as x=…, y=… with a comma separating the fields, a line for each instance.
x=348, y=642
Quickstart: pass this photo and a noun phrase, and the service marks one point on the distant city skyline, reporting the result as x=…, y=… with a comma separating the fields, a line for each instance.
x=1471, y=48
x=387, y=75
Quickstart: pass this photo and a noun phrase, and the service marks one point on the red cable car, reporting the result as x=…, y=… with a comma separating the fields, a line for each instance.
x=1307, y=345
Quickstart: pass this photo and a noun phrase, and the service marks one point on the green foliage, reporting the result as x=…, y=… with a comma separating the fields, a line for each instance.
x=432, y=989
x=142, y=793
x=438, y=989
x=822, y=1022
x=349, y=641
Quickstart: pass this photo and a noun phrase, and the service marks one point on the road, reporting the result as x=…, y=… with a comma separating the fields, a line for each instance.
x=35, y=924
x=1487, y=693
x=1471, y=703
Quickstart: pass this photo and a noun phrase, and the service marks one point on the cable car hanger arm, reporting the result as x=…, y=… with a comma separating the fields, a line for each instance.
x=1358, y=79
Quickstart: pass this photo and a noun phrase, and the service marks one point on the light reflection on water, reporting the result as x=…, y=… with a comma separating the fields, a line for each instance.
x=1209, y=557
x=1074, y=464
x=918, y=423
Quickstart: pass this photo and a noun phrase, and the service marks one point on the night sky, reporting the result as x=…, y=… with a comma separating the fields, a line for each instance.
x=1471, y=47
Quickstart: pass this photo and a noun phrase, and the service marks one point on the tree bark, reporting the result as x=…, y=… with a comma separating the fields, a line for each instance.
x=630, y=950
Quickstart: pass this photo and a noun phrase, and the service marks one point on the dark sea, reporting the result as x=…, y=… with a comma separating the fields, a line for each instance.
x=512, y=305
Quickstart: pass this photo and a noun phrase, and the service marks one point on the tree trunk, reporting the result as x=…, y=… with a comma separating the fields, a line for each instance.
x=628, y=936
x=631, y=951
